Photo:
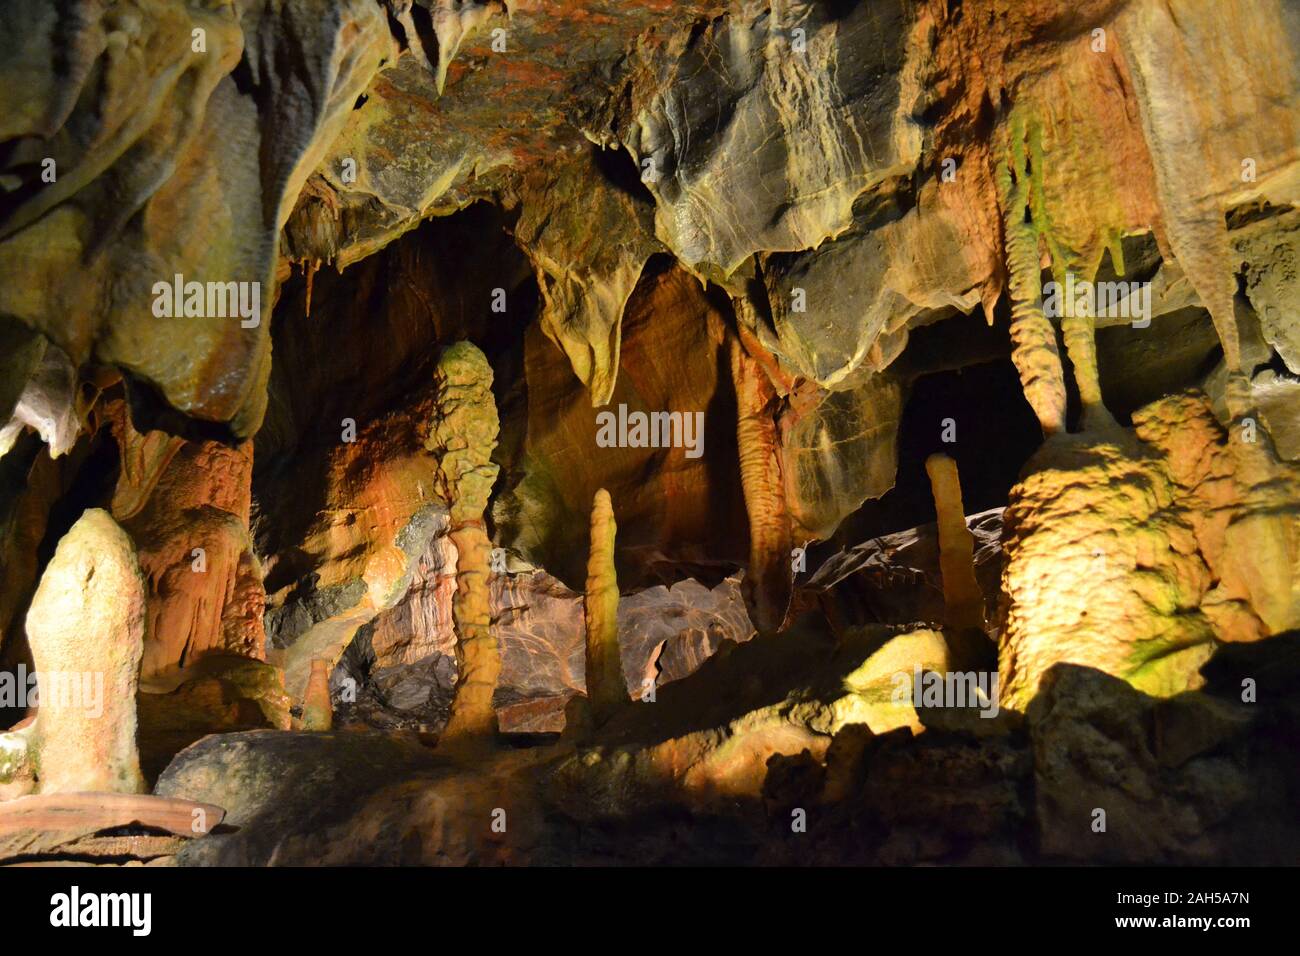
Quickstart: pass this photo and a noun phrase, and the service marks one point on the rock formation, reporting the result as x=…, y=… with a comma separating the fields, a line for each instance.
x=1037, y=358
x=606, y=686
x=771, y=540
x=963, y=600
x=462, y=438
x=317, y=712
x=86, y=628
x=1146, y=542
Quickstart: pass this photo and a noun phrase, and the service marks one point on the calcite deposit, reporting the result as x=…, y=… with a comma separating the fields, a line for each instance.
x=718, y=431
x=86, y=629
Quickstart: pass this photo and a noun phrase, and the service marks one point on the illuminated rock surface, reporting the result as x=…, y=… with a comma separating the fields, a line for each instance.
x=86, y=626
x=1137, y=557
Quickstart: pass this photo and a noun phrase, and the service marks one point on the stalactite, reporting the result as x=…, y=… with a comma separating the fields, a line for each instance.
x=1081, y=346
x=452, y=23
x=768, y=581
x=1035, y=351
x=963, y=600
x=309, y=268
x=606, y=687
x=463, y=437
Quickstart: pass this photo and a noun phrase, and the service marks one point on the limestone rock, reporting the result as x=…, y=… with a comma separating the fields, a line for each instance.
x=1093, y=752
x=359, y=544
x=220, y=693
x=23, y=351
x=540, y=630
x=847, y=303
x=772, y=221
x=47, y=403
x=86, y=627
x=606, y=686
x=961, y=591
x=1182, y=87
x=500, y=118
x=188, y=505
x=680, y=508
x=896, y=579
x=421, y=623
x=768, y=583
x=779, y=117
x=1271, y=250
x=1241, y=499
x=1141, y=557
x=32, y=484
x=740, y=754
x=589, y=241
x=193, y=173
x=281, y=782
x=75, y=827
x=463, y=436
x=1099, y=537
x=317, y=712
x=664, y=634
x=839, y=448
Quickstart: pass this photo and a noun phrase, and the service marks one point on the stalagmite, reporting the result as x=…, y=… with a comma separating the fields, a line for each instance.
x=963, y=600
x=317, y=711
x=606, y=688
x=768, y=581
x=1035, y=353
x=1081, y=346
x=86, y=629
x=463, y=437
x=1079, y=331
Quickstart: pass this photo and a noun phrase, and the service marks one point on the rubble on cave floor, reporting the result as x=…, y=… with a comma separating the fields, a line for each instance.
x=790, y=750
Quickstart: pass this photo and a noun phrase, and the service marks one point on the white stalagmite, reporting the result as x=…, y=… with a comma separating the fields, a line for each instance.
x=86, y=630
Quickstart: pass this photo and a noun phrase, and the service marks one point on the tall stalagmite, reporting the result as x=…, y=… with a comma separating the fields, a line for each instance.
x=1079, y=331
x=606, y=688
x=317, y=710
x=463, y=437
x=963, y=600
x=86, y=627
x=768, y=580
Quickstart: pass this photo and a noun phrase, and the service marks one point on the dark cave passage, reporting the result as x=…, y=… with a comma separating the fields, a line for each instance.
x=980, y=405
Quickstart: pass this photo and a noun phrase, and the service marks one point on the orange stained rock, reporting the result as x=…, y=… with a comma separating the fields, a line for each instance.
x=186, y=505
x=317, y=711
x=768, y=580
